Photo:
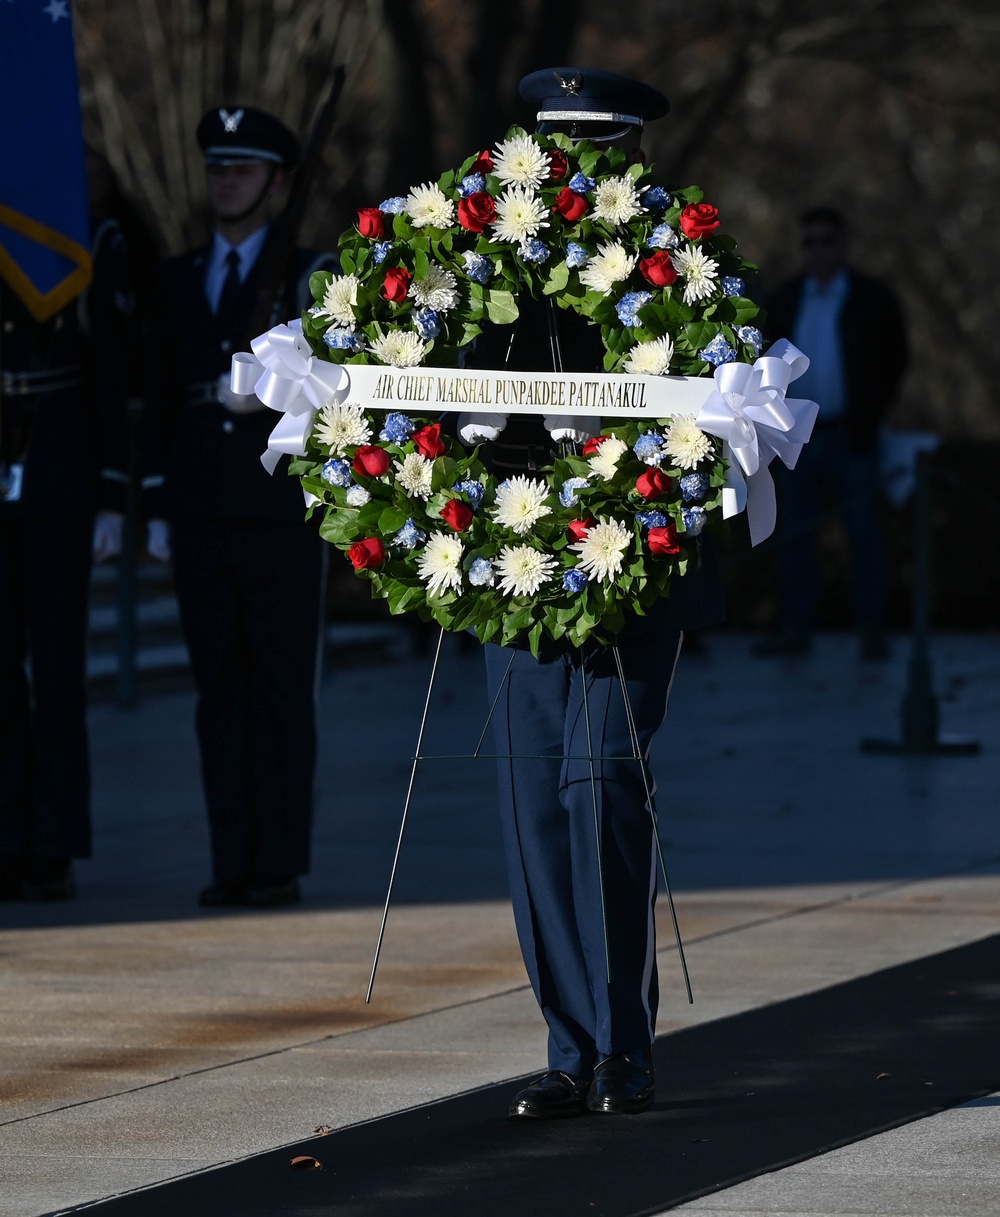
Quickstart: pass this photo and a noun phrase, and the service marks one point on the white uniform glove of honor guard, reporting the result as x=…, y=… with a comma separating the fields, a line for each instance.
x=238, y=403
x=107, y=540
x=564, y=428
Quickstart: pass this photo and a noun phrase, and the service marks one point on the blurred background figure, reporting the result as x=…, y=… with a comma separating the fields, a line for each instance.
x=63, y=459
x=851, y=327
x=248, y=571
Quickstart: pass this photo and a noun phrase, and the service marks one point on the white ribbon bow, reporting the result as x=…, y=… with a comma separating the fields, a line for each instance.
x=749, y=412
x=286, y=376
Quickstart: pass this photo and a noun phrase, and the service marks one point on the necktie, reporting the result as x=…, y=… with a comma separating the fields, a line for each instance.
x=230, y=295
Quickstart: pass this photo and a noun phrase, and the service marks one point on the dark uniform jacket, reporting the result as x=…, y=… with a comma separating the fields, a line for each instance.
x=64, y=391
x=875, y=349
x=202, y=460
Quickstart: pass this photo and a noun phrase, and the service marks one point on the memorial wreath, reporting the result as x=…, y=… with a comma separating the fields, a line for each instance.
x=570, y=552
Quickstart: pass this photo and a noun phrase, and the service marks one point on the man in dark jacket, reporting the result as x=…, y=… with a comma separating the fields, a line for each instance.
x=63, y=456
x=579, y=841
x=249, y=571
x=851, y=327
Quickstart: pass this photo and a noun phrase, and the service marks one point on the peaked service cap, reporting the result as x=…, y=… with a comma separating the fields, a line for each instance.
x=237, y=134
x=589, y=96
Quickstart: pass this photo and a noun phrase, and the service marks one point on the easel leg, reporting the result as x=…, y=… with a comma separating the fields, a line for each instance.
x=597, y=820
x=406, y=809
x=648, y=788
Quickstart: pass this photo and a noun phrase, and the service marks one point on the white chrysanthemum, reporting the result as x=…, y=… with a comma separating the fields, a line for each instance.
x=428, y=207
x=520, y=503
x=605, y=460
x=699, y=272
x=413, y=473
x=602, y=550
x=685, y=443
x=439, y=563
x=437, y=290
x=617, y=200
x=523, y=570
x=338, y=300
x=650, y=358
x=520, y=214
x=610, y=265
x=520, y=160
x=399, y=348
x=341, y=427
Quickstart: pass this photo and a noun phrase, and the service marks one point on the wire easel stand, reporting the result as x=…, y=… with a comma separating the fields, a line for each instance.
x=636, y=756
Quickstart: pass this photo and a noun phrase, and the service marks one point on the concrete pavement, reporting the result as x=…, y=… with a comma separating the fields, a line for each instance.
x=142, y=1040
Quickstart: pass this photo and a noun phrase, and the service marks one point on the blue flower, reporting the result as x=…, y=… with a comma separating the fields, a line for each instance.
x=478, y=267
x=567, y=494
x=426, y=323
x=475, y=183
x=380, y=251
x=629, y=305
x=481, y=573
x=344, y=340
x=410, y=536
x=656, y=196
x=576, y=256
x=652, y=519
x=649, y=448
x=357, y=496
x=473, y=491
x=693, y=486
x=663, y=237
x=394, y=206
x=581, y=184
x=751, y=336
x=718, y=351
x=732, y=285
x=694, y=520
x=574, y=580
x=397, y=428
x=337, y=473
x=534, y=251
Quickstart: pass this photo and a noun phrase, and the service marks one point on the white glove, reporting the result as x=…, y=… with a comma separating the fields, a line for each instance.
x=238, y=403
x=158, y=540
x=480, y=428
x=567, y=427
x=107, y=541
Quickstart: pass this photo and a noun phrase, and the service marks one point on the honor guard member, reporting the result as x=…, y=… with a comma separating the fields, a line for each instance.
x=583, y=896
x=249, y=571
x=63, y=457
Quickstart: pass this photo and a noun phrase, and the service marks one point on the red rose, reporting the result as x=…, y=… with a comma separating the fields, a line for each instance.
x=367, y=553
x=483, y=163
x=558, y=164
x=477, y=210
x=653, y=483
x=697, y=219
x=396, y=284
x=429, y=442
x=370, y=222
x=658, y=269
x=578, y=529
x=663, y=540
x=570, y=205
x=371, y=460
x=592, y=444
x=457, y=515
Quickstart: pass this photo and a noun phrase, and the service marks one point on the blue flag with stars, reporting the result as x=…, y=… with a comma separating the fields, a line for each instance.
x=44, y=225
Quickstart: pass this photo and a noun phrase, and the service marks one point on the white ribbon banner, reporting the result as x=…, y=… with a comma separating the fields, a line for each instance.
x=742, y=404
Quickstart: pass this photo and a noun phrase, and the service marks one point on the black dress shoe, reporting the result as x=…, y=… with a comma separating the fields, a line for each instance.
x=48, y=879
x=222, y=895
x=553, y=1096
x=622, y=1083
x=272, y=892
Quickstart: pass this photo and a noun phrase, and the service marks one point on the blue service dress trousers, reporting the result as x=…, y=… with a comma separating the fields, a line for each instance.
x=569, y=875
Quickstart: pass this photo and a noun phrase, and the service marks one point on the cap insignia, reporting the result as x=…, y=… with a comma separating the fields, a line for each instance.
x=231, y=121
x=572, y=86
